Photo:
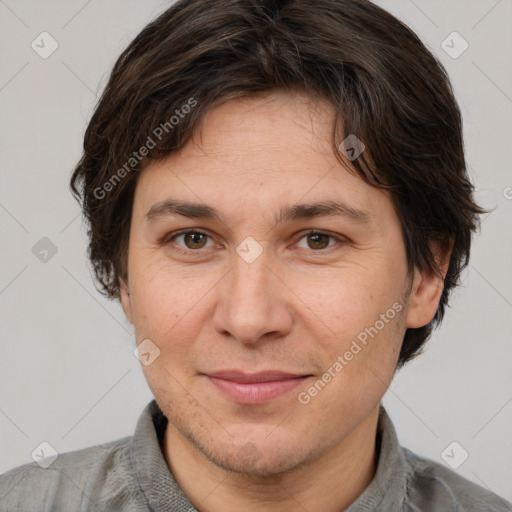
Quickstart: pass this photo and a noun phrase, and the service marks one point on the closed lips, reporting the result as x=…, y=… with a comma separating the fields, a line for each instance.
x=246, y=378
x=254, y=389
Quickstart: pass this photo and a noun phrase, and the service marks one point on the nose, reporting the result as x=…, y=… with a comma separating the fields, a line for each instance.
x=253, y=302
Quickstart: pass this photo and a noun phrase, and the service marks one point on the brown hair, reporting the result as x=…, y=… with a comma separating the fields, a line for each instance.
x=386, y=87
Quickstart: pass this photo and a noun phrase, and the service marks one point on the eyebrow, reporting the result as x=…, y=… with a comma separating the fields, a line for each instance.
x=326, y=208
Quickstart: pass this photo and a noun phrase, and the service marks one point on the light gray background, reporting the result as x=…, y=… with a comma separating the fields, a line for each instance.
x=68, y=374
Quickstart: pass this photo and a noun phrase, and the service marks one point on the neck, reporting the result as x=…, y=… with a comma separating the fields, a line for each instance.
x=329, y=483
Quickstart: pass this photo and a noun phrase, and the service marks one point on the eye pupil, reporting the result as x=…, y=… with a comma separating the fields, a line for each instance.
x=194, y=237
x=317, y=236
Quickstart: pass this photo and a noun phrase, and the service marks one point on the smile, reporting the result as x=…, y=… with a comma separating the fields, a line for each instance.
x=257, y=388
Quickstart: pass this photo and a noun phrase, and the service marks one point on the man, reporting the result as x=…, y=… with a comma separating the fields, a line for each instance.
x=277, y=194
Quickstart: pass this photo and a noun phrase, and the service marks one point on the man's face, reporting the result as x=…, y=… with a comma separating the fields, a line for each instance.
x=295, y=308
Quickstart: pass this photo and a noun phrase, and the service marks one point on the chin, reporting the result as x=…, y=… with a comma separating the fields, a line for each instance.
x=258, y=458
x=251, y=461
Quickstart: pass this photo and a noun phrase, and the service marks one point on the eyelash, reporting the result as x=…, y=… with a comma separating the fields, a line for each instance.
x=304, y=234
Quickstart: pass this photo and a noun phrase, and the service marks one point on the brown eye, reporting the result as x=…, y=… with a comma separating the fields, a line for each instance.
x=194, y=240
x=318, y=241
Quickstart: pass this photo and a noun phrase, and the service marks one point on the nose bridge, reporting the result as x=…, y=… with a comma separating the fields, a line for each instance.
x=251, y=303
x=249, y=277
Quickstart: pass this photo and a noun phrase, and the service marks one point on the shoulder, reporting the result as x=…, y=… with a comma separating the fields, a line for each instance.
x=432, y=486
x=76, y=480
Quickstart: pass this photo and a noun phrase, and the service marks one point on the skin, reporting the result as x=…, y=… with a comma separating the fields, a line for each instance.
x=296, y=308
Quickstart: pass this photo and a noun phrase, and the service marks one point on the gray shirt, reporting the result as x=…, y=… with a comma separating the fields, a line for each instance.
x=131, y=474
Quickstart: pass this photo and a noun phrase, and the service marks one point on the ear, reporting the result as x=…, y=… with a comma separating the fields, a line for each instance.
x=125, y=300
x=427, y=288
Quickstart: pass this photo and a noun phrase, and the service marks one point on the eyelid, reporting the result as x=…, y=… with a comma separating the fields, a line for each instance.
x=301, y=234
x=169, y=238
x=339, y=238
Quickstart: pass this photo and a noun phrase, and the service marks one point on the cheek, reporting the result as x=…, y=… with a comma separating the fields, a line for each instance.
x=167, y=302
x=348, y=300
x=360, y=364
x=360, y=317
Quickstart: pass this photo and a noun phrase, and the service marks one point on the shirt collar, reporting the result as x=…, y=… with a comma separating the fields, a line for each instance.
x=385, y=493
x=156, y=480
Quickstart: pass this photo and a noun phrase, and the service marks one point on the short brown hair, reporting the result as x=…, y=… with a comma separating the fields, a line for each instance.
x=384, y=84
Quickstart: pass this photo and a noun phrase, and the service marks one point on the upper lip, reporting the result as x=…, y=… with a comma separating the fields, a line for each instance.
x=247, y=378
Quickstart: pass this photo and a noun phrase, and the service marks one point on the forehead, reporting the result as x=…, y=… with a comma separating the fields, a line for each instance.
x=258, y=152
x=276, y=123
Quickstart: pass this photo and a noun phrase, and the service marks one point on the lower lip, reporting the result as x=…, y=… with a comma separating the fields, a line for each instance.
x=256, y=392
